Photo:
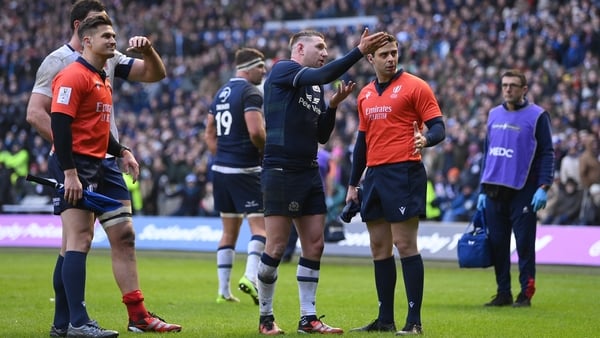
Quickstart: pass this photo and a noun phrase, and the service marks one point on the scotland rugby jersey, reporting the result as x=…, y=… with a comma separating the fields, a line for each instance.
x=291, y=117
x=234, y=147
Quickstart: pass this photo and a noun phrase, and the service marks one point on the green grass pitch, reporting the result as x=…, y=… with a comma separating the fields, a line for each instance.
x=182, y=288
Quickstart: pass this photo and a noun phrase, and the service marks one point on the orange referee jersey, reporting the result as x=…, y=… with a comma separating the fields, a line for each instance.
x=80, y=92
x=387, y=119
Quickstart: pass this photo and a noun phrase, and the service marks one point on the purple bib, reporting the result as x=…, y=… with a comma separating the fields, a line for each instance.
x=511, y=145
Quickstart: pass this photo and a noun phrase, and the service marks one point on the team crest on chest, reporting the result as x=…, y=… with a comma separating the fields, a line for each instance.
x=395, y=91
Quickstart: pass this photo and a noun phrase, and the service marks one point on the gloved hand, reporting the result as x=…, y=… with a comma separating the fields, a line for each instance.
x=481, y=201
x=539, y=200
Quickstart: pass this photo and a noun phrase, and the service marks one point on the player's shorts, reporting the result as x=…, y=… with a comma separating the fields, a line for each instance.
x=88, y=171
x=236, y=192
x=293, y=193
x=113, y=185
x=395, y=192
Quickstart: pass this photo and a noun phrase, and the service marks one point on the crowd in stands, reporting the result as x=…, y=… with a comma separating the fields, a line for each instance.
x=458, y=46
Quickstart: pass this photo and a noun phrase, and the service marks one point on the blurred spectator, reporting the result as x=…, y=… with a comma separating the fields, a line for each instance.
x=463, y=206
x=472, y=165
x=569, y=165
x=446, y=189
x=191, y=194
x=16, y=161
x=552, y=200
x=589, y=168
x=566, y=211
x=444, y=157
x=153, y=182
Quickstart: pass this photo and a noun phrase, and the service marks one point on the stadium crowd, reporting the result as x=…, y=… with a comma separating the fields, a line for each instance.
x=458, y=46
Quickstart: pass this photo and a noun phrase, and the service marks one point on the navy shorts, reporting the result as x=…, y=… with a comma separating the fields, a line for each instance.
x=113, y=184
x=395, y=192
x=237, y=193
x=293, y=193
x=89, y=173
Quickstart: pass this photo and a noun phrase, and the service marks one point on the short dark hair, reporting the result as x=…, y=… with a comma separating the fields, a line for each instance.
x=390, y=38
x=81, y=8
x=303, y=34
x=515, y=73
x=244, y=55
x=90, y=23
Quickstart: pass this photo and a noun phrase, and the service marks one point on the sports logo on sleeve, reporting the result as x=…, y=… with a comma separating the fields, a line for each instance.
x=64, y=95
x=224, y=95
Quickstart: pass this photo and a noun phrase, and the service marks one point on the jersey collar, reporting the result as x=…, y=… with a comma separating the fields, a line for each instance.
x=382, y=86
x=101, y=72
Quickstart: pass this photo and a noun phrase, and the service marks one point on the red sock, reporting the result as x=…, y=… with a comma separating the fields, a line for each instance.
x=135, y=305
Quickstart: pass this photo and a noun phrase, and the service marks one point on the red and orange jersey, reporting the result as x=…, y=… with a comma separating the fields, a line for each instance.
x=80, y=91
x=387, y=118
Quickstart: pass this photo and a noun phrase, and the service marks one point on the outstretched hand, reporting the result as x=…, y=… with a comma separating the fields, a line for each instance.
x=344, y=89
x=370, y=43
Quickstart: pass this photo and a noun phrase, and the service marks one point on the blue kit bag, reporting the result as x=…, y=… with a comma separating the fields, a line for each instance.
x=474, y=249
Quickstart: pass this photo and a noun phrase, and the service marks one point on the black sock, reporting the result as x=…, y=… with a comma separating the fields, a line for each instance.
x=414, y=276
x=385, y=282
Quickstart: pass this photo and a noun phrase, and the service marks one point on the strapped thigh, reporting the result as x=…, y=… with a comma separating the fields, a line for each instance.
x=117, y=216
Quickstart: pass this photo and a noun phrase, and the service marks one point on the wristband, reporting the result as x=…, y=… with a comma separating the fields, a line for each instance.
x=123, y=148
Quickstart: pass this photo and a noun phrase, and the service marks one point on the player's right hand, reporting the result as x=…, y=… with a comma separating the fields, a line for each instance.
x=370, y=43
x=130, y=165
x=139, y=44
x=73, y=187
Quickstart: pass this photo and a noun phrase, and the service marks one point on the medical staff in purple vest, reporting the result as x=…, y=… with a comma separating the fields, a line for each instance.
x=518, y=169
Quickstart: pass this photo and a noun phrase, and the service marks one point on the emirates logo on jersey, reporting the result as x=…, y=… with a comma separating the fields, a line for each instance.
x=377, y=112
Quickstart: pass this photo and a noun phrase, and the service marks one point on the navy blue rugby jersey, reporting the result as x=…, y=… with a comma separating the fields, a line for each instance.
x=234, y=148
x=291, y=117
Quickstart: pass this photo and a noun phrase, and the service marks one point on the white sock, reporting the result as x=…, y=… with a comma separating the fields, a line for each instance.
x=308, y=280
x=266, y=290
x=225, y=258
x=255, y=250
